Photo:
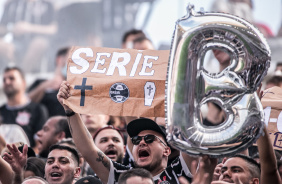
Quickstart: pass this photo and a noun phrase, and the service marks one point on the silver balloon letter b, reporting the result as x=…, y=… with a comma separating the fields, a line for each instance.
x=225, y=85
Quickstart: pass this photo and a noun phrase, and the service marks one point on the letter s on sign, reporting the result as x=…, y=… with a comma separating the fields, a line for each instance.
x=80, y=61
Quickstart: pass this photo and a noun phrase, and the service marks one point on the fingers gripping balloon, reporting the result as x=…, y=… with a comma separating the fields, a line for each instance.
x=192, y=83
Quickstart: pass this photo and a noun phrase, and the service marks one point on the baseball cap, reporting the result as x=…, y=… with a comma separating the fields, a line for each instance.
x=138, y=125
x=108, y=127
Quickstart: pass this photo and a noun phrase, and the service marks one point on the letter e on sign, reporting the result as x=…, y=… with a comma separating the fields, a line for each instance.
x=146, y=64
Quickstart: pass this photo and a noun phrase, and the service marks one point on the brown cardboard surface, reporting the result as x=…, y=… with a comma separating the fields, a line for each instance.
x=105, y=78
x=272, y=104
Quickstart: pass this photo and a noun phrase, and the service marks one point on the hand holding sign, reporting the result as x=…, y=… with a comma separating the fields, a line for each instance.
x=117, y=82
x=63, y=94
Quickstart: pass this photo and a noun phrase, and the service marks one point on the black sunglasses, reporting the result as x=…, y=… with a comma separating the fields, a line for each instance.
x=147, y=138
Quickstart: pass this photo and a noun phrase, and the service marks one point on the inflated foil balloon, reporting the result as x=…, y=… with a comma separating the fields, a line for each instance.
x=211, y=104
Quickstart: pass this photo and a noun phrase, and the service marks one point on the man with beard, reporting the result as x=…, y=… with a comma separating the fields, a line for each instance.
x=55, y=129
x=110, y=141
x=62, y=166
x=19, y=109
x=150, y=149
x=239, y=169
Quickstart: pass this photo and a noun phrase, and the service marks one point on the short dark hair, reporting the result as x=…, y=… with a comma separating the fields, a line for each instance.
x=132, y=32
x=62, y=51
x=36, y=165
x=108, y=127
x=69, y=142
x=36, y=177
x=72, y=150
x=253, y=166
x=7, y=69
x=143, y=173
x=63, y=126
x=279, y=64
x=141, y=39
x=276, y=80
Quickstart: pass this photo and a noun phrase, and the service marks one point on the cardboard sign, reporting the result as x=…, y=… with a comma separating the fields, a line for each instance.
x=272, y=104
x=119, y=82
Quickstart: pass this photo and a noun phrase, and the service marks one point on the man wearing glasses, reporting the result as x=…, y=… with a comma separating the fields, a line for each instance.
x=150, y=150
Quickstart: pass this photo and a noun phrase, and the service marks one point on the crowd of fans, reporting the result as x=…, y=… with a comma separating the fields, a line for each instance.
x=62, y=146
x=42, y=140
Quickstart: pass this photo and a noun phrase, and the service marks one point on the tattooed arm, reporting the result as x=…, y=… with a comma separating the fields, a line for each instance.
x=97, y=160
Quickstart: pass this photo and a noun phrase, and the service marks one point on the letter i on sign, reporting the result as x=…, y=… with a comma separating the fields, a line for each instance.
x=277, y=120
x=149, y=92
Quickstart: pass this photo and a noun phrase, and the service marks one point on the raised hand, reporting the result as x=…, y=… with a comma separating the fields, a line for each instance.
x=64, y=93
x=204, y=174
x=16, y=159
x=217, y=170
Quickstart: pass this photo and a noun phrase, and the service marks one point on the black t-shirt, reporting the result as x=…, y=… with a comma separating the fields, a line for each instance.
x=49, y=100
x=31, y=117
x=169, y=176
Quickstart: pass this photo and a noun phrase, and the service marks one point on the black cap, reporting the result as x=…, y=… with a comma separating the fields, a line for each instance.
x=138, y=125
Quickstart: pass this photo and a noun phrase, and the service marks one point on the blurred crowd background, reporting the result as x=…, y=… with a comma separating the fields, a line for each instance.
x=32, y=31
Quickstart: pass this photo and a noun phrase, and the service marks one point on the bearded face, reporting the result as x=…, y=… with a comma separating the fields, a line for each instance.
x=13, y=83
x=110, y=142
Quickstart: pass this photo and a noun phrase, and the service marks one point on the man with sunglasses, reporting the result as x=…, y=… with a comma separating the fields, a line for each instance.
x=150, y=150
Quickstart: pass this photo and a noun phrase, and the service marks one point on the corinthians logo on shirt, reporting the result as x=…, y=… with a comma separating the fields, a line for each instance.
x=23, y=118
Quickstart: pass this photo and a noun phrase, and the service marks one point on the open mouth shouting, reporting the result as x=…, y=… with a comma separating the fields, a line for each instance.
x=111, y=153
x=143, y=154
x=56, y=175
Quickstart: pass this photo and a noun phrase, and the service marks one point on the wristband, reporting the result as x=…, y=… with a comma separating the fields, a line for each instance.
x=69, y=114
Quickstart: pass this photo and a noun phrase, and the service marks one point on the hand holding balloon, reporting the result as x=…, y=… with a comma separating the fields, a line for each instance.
x=243, y=56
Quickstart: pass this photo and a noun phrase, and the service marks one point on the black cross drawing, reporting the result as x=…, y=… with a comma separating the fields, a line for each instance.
x=83, y=87
x=150, y=89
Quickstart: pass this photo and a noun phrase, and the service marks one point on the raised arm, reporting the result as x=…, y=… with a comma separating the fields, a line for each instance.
x=269, y=170
x=2, y=143
x=6, y=172
x=202, y=173
x=97, y=160
x=189, y=160
x=17, y=161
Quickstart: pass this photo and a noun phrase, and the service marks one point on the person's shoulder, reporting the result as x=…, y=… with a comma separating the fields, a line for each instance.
x=35, y=107
x=175, y=162
x=36, y=83
x=2, y=107
x=175, y=165
x=119, y=166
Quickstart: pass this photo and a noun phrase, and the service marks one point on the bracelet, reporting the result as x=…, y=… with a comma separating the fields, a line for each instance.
x=69, y=114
